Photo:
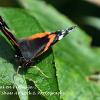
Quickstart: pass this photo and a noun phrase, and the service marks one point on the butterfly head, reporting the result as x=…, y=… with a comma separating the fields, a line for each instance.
x=62, y=33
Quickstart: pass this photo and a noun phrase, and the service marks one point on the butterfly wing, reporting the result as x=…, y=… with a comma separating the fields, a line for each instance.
x=5, y=30
x=35, y=45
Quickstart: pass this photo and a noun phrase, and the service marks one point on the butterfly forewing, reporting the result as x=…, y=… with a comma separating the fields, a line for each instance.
x=32, y=48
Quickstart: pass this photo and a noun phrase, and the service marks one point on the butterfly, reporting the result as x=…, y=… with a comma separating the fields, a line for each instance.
x=30, y=48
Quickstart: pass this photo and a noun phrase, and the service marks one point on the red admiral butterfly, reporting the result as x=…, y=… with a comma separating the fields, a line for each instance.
x=33, y=46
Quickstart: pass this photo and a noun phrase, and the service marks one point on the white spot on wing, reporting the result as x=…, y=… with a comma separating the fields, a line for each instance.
x=60, y=37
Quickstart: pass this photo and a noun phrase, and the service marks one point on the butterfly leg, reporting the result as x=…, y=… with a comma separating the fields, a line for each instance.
x=18, y=69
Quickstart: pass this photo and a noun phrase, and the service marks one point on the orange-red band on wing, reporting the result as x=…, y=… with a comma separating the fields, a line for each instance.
x=11, y=38
x=51, y=39
x=38, y=35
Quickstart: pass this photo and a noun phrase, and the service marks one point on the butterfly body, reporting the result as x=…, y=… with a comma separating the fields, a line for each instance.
x=30, y=48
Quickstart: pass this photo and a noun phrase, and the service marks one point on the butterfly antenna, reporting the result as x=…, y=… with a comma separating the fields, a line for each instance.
x=68, y=30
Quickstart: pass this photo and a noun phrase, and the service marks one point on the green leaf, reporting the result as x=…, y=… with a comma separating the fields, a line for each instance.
x=47, y=85
x=21, y=86
x=6, y=62
x=41, y=74
x=79, y=65
x=74, y=58
x=8, y=66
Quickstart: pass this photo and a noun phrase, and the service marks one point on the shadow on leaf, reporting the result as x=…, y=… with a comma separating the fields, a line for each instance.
x=6, y=52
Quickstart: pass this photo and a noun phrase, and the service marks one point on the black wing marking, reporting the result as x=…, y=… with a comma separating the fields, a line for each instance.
x=5, y=30
x=31, y=48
